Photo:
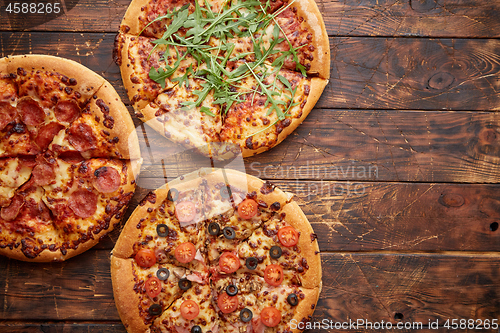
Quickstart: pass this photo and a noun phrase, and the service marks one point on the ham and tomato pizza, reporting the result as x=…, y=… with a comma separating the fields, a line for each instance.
x=241, y=72
x=220, y=252
x=68, y=158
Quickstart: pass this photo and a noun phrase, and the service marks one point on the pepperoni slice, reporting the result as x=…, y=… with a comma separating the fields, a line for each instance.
x=43, y=174
x=31, y=113
x=81, y=137
x=72, y=157
x=83, y=203
x=10, y=213
x=46, y=134
x=107, y=179
x=67, y=111
x=27, y=161
x=7, y=114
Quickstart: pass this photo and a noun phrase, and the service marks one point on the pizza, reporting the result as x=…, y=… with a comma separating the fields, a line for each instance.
x=69, y=155
x=224, y=76
x=216, y=251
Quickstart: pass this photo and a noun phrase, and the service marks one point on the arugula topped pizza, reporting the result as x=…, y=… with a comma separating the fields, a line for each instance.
x=237, y=72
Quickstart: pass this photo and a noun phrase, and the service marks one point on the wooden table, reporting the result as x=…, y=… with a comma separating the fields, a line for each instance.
x=397, y=168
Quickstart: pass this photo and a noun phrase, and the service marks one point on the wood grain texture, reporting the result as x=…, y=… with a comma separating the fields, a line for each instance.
x=111, y=327
x=400, y=73
x=373, y=216
x=432, y=18
x=356, y=145
x=359, y=286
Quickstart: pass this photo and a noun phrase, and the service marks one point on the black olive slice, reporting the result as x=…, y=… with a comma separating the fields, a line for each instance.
x=184, y=284
x=251, y=263
x=214, y=229
x=231, y=290
x=155, y=309
x=162, y=230
x=275, y=252
x=196, y=329
x=229, y=233
x=162, y=274
x=246, y=315
x=292, y=299
x=172, y=194
x=224, y=192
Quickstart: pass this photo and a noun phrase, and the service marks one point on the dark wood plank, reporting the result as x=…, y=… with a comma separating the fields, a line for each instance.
x=441, y=18
x=93, y=327
x=399, y=73
x=75, y=15
x=433, y=18
x=365, y=216
x=409, y=73
x=362, y=146
x=373, y=287
x=376, y=287
x=62, y=327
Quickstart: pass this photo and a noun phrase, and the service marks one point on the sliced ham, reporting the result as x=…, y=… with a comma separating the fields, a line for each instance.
x=257, y=325
x=180, y=329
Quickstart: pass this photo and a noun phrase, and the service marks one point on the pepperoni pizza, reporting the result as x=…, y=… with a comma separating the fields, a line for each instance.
x=68, y=156
x=219, y=251
x=241, y=73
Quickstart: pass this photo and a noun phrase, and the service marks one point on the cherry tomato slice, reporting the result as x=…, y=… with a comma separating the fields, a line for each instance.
x=145, y=258
x=288, y=236
x=153, y=287
x=189, y=309
x=185, y=252
x=226, y=303
x=273, y=275
x=270, y=316
x=247, y=209
x=229, y=263
x=185, y=211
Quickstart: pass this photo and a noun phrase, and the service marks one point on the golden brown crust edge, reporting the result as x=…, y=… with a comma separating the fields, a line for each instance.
x=313, y=20
x=305, y=308
x=316, y=89
x=126, y=300
x=123, y=128
x=308, y=244
x=88, y=82
x=130, y=22
x=124, y=247
x=252, y=184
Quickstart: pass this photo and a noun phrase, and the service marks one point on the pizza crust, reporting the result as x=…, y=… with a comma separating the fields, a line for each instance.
x=126, y=299
x=313, y=20
x=305, y=308
x=316, y=89
x=87, y=81
x=124, y=247
x=123, y=128
x=309, y=248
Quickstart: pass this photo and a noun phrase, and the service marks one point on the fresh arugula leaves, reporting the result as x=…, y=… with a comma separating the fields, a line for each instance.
x=208, y=37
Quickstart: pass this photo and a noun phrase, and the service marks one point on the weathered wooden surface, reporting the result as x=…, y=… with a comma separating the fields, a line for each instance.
x=434, y=18
x=400, y=73
x=373, y=287
x=397, y=168
x=356, y=145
